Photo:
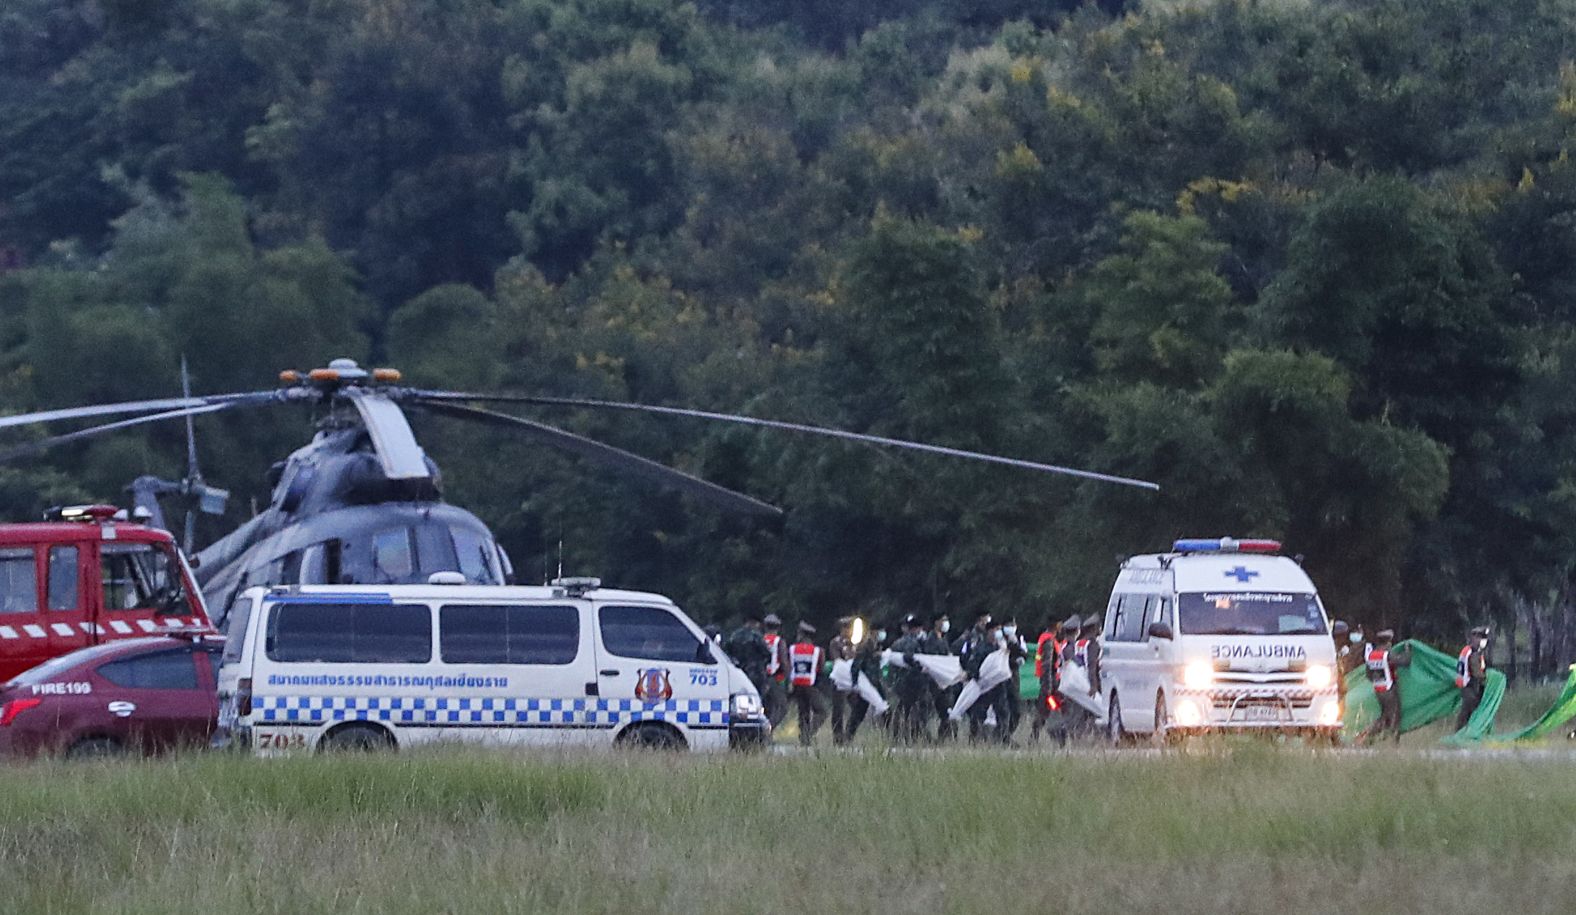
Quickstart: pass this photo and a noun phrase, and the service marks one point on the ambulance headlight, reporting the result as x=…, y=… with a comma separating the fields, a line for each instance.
x=1188, y=714
x=745, y=705
x=1318, y=676
x=1198, y=675
x=1330, y=713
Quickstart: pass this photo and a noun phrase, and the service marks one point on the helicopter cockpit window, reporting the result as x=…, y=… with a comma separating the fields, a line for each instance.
x=393, y=560
x=137, y=575
x=477, y=561
x=18, y=581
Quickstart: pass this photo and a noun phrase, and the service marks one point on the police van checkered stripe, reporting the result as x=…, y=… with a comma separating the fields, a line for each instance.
x=489, y=712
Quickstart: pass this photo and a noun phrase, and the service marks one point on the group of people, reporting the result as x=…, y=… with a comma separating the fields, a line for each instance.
x=1382, y=662
x=805, y=676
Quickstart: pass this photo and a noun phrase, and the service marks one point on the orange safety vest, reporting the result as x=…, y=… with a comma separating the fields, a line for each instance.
x=1464, y=668
x=804, y=661
x=1040, y=656
x=1378, y=663
x=774, y=667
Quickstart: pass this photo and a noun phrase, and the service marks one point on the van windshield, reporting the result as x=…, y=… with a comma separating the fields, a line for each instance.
x=1250, y=613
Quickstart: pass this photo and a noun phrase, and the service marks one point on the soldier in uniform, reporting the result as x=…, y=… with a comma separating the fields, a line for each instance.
x=775, y=698
x=748, y=649
x=937, y=643
x=867, y=666
x=804, y=670
x=1471, y=668
x=913, y=685
x=980, y=642
x=840, y=648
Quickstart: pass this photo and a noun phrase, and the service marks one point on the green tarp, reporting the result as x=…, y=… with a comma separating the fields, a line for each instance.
x=1429, y=693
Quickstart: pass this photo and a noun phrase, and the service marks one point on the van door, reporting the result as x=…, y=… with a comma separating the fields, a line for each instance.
x=653, y=666
x=1157, y=663
x=1123, y=665
x=41, y=609
x=526, y=669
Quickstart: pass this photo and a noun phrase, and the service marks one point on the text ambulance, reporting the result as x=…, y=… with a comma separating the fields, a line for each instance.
x=1217, y=635
x=572, y=664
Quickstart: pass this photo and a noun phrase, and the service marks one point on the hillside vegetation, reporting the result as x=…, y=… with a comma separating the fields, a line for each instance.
x=1307, y=265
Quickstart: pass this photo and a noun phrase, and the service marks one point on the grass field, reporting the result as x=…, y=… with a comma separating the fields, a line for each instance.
x=1218, y=828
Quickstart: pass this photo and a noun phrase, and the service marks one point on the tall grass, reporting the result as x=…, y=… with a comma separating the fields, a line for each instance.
x=1228, y=828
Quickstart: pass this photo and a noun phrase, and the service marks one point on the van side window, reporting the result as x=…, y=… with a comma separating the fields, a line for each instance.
x=168, y=670
x=63, y=578
x=648, y=633
x=1135, y=608
x=350, y=633
x=495, y=634
x=18, y=581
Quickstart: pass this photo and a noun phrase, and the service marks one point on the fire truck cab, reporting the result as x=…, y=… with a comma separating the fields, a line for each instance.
x=86, y=579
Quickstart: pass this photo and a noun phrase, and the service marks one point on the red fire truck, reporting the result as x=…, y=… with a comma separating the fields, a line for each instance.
x=85, y=579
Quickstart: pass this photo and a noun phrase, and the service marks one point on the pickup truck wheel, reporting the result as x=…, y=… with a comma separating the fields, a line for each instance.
x=95, y=748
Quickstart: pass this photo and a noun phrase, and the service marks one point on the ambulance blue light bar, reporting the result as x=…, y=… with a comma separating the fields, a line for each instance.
x=1226, y=545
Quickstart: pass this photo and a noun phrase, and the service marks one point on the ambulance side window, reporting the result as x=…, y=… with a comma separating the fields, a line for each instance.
x=18, y=581
x=1159, y=612
x=63, y=578
x=350, y=633
x=495, y=634
x=648, y=633
x=1128, y=624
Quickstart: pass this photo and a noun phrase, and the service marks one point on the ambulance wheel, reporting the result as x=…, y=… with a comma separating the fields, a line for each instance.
x=356, y=738
x=1162, y=734
x=1114, y=732
x=651, y=735
x=95, y=748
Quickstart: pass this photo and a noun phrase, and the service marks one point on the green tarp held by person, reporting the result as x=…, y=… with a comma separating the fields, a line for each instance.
x=1428, y=693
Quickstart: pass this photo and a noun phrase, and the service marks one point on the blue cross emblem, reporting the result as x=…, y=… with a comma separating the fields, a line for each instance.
x=1242, y=574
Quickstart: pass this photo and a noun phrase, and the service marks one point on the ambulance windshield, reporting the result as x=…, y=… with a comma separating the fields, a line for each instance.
x=1250, y=613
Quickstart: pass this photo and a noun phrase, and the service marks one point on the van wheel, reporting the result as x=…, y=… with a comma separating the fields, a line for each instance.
x=651, y=735
x=356, y=738
x=1114, y=731
x=1162, y=732
x=95, y=748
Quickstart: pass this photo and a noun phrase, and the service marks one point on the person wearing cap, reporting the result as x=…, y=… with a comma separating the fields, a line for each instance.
x=1471, y=668
x=804, y=672
x=1382, y=662
x=747, y=647
x=1048, y=668
x=840, y=648
x=775, y=697
x=913, y=685
x=985, y=641
x=938, y=642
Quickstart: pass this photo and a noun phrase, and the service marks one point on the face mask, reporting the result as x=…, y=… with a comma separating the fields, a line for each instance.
x=881, y=635
x=999, y=638
x=1009, y=631
x=945, y=626
x=1355, y=637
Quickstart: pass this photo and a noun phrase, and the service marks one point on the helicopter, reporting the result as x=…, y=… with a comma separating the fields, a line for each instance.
x=361, y=503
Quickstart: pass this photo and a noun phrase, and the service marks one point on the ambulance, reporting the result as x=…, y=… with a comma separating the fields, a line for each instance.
x=571, y=664
x=1217, y=635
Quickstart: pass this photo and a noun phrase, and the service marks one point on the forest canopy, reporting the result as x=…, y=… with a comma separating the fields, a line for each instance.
x=1309, y=266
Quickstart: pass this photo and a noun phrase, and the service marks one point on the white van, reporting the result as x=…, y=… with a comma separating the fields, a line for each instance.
x=573, y=664
x=1217, y=635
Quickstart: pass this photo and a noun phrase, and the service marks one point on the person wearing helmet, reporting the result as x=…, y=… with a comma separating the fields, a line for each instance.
x=775, y=698
x=1471, y=668
x=1382, y=662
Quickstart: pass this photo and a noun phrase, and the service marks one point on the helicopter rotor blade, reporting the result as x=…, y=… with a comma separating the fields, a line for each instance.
x=429, y=397
x=133, y=406
x=31, y=448
x=660, y=474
